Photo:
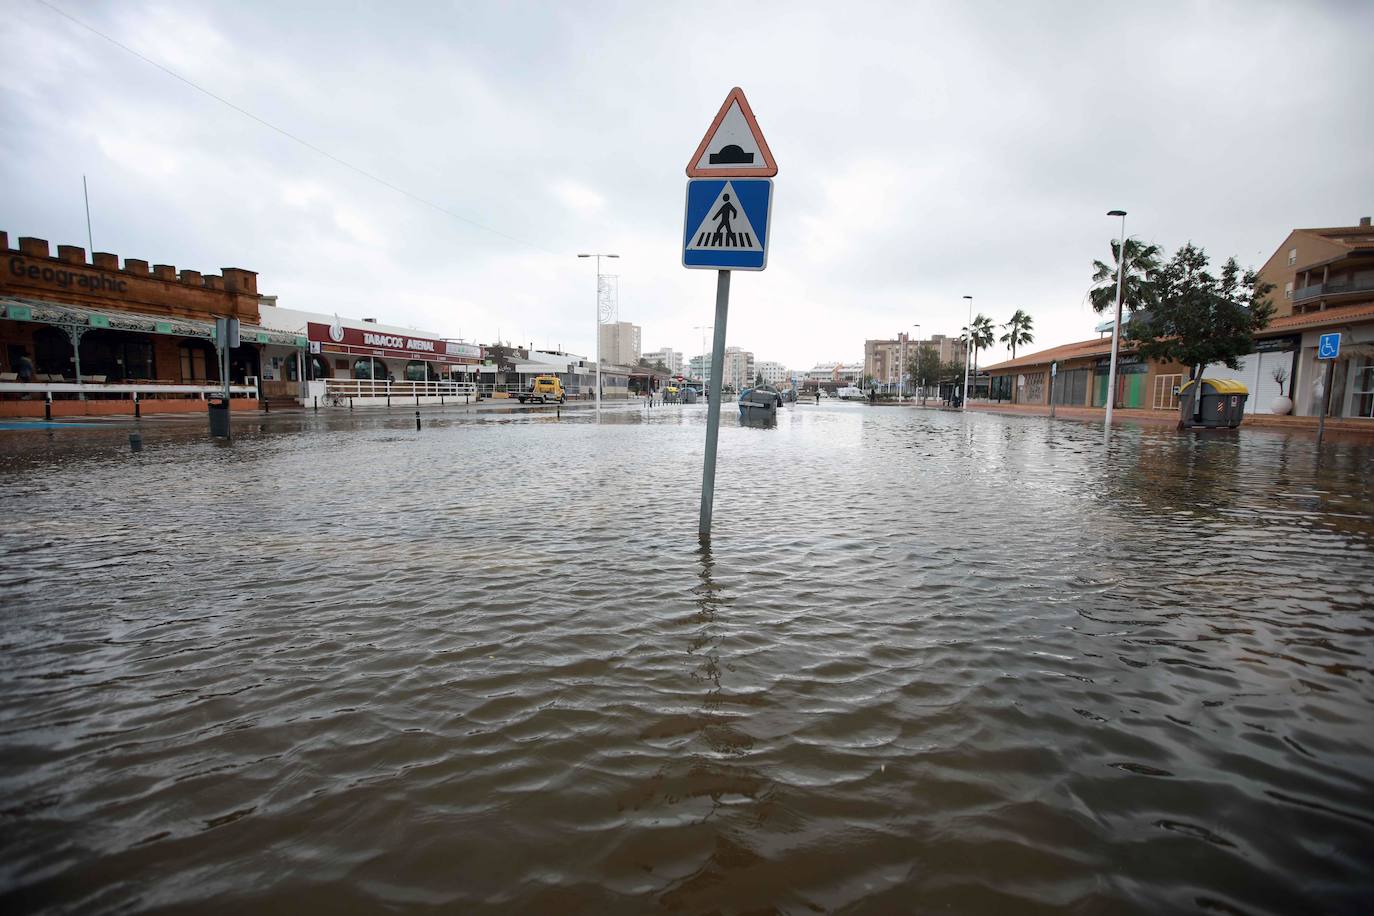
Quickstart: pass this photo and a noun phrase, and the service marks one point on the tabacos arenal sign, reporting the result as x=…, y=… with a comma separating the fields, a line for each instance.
x=400, y=344
x=21, y=269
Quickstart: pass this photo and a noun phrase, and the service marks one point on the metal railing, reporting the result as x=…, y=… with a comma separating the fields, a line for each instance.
x=1332, y=289
x=381, y=388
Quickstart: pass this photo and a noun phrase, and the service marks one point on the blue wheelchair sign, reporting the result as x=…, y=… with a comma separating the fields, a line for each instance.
x=1329, y=346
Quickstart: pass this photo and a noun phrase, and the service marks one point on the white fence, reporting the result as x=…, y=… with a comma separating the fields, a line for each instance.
x=132, y=390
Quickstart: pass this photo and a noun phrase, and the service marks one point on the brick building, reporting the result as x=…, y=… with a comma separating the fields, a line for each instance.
x=64, y=319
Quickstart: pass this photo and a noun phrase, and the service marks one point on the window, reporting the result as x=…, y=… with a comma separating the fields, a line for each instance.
x=117, y=355
x=194, y=363
x=52, y=352
x=1362, y=402
x=1288, y=290
x=1292, y=256
x=417, y=371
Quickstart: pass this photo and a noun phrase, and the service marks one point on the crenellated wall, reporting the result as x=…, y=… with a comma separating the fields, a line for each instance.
x=33, y=272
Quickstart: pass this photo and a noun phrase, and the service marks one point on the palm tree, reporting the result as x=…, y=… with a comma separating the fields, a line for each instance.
x=1018, y=329
x=1138, y=284
x=982, y=334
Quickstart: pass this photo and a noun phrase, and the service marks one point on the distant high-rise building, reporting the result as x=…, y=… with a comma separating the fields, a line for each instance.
x=737, y=373
x=883, y=359
x=670, y=358
x=775, y=374
x=620, y=343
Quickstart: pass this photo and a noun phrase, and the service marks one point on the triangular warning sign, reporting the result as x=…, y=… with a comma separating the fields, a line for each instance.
x=733, y=146
x=725, y=226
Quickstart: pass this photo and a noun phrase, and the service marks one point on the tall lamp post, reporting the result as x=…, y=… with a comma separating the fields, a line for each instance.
x=598, y=320
x=900, y=395
x=968, y=347
x=1116, y=324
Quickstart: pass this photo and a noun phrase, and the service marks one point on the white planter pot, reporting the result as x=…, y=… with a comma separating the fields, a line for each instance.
x=1281, y=405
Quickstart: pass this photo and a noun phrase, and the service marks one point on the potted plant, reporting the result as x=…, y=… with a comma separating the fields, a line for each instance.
x=1280, y=404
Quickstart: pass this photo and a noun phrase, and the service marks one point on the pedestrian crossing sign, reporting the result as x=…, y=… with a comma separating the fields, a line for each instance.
x=726, y=223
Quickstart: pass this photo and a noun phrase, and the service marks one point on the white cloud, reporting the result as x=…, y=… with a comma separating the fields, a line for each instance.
x=926, y=151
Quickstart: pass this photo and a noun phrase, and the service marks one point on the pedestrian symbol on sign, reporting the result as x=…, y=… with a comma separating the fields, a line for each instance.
x=725, y=226
x=722, y=218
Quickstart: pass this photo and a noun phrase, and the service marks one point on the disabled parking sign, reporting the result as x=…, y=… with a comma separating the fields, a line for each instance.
x=726, y=223
x=1329, y=346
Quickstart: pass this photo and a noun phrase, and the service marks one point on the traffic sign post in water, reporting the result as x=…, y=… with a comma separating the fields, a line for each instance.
x=1328, y=348
x=725, y=228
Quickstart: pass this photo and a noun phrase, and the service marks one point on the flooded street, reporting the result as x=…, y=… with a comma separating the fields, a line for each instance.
x=931, y=662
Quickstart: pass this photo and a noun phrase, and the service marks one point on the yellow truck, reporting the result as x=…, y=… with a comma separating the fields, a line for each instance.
x=544, y=388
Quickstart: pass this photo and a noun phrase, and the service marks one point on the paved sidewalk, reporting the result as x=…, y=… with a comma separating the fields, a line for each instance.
x=1346, y=427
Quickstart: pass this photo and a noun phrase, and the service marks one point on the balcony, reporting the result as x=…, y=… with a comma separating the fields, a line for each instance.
x=1325, y=290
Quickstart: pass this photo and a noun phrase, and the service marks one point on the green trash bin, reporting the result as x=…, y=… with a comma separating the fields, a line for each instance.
x=219, y=417
x=1223, y=404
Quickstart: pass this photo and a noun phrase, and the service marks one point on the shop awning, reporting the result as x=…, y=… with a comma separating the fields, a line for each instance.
x=66, y=315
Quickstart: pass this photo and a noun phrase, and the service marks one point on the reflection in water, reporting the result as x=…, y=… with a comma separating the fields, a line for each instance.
x=932, y=662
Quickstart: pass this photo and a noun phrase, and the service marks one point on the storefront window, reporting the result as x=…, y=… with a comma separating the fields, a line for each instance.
x=117, y=355
x=52, y=352
x=417, y=371
x=364, y=367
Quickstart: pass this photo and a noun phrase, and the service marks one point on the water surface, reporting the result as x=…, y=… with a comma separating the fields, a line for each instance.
x=932, y=662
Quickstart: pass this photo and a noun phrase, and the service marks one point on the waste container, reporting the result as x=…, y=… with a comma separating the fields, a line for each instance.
x=1223, y=404
x=219, y=417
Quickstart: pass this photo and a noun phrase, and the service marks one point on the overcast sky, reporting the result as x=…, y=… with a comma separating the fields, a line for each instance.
x=925, y=152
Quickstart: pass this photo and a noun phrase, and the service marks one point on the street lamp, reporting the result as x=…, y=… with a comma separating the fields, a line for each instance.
x=703, y=328
x=598, y=320
x=968, y=346
x=1116, y=324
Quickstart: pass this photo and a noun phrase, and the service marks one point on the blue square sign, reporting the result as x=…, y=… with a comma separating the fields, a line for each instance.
x=1329, y=346
x=726, y=223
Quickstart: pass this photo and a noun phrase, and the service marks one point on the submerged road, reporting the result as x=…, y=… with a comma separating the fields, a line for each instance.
x=933, y=662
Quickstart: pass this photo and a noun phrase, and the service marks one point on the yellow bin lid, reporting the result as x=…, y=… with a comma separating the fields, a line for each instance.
x=1221, y=386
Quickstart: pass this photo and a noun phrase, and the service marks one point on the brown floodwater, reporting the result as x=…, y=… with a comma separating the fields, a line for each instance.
x=931, y=663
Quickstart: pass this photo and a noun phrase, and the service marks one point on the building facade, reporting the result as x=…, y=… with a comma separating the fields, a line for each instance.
x=884, y=360
x=774, y=373
x=670, y=358
x=738, y=371
x=353, y=348
x=1323, y=283
x=831, y=375
x=620, y=343
x=67, y=320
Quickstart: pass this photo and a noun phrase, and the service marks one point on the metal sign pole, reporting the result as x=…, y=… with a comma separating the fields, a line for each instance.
x=713, y=405
x=1326, y=401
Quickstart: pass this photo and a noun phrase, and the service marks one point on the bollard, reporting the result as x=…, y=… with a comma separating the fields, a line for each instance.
x=317, y=403
x=47, y=407
x=138, y=408
x=417, y=419
x=388, y=400
x=135, y=442
x=350, y=404
x=266, y=406
x=417, y=399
